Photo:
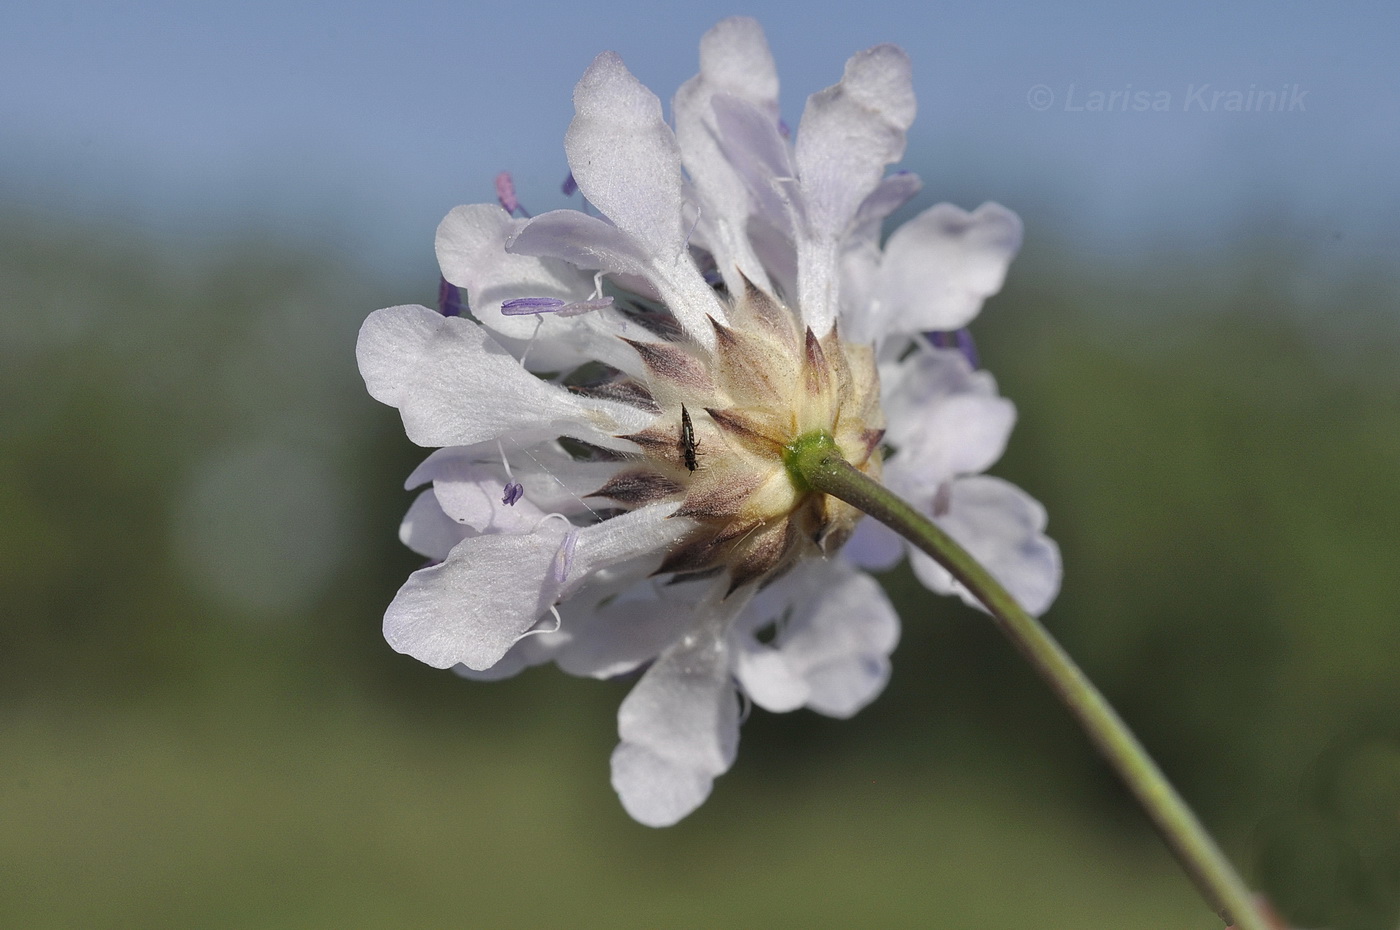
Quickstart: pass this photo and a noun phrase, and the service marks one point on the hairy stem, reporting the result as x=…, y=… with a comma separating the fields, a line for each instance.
x=818, y=463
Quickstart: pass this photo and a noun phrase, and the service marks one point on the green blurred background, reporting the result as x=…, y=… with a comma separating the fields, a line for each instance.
x=200, y=725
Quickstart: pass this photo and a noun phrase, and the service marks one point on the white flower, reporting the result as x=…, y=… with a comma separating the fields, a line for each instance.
x=636, y=372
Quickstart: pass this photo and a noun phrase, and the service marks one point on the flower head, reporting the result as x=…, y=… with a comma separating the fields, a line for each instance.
x=609, y=490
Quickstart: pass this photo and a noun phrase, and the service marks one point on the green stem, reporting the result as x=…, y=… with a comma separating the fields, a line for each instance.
x=817, y=462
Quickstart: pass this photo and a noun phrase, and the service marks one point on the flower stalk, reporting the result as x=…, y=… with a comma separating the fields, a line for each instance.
x=815, y=462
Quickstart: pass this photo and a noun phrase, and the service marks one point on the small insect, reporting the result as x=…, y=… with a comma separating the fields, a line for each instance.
x=688, y=442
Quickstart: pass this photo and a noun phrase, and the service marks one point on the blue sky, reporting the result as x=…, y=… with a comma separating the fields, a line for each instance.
x=366, y=121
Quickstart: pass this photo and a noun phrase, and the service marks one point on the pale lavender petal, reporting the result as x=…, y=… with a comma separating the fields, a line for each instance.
x=472, y=494
x=861, y=256
x=390, y=341
x=761, y=157
x=527, y=652
x=630, y=629
x=454, y=385
x=940, y=266
x=960, y=435
x=840, y=639
x=580, y=239
x=554, y=481
x=623, y=155
x=472, y=607
x=768, y=678
x=734, y=60
x=1002, y=527
x=834, y=637
x=943, y=418
x=849, y=133
x=873, y=546
x=679, y=729
x=428, y=531
x=471, y=248
x=626, y=162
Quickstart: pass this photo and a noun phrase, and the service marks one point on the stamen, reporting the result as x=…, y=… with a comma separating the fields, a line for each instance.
x=564, y=558
x=572, y=493
x=523, y=306
x=504, y=462
x=580, y=307
x=449, y=298
x=691, y=232
x=558, y=624
x=570, y=186
x=505, y=194
x=525, y=353
x=514, y=490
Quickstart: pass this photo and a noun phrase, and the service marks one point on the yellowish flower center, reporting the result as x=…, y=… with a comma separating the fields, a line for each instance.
x=727, y=416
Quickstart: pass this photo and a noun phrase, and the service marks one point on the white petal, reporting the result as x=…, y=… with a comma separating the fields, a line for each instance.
x=474, y=606
x=768, y=678
x=624, y=156
x=629, y=630
x=1002, y=527
x=627, y=163
x=961, y=435
x=849, y=133
x=754, y=146
x=530, y=651
x=428, y=531
x=940, y=266
x=471, y=250
x=679, y=729
x=643, y=535
x=860, y=256
x=456, y=386
x=944, y=418
x=734, y=60
x=390, y=342
x=582, y=240
x=471, y=493
x=873, y=546
x=838, y=638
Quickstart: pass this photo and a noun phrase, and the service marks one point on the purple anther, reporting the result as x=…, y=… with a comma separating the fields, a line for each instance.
x=523, y=306
x=968, y=348
x=505, y=193
x=570, y=186
x=564, y=558
x=514, y=490
x=959, y=339
x=784, y=130
x=449, y=298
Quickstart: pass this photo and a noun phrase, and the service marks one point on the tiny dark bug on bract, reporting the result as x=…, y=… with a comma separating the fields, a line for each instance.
x=688, y=443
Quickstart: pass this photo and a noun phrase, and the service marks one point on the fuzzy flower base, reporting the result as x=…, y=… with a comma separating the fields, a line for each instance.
x=608, y=491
